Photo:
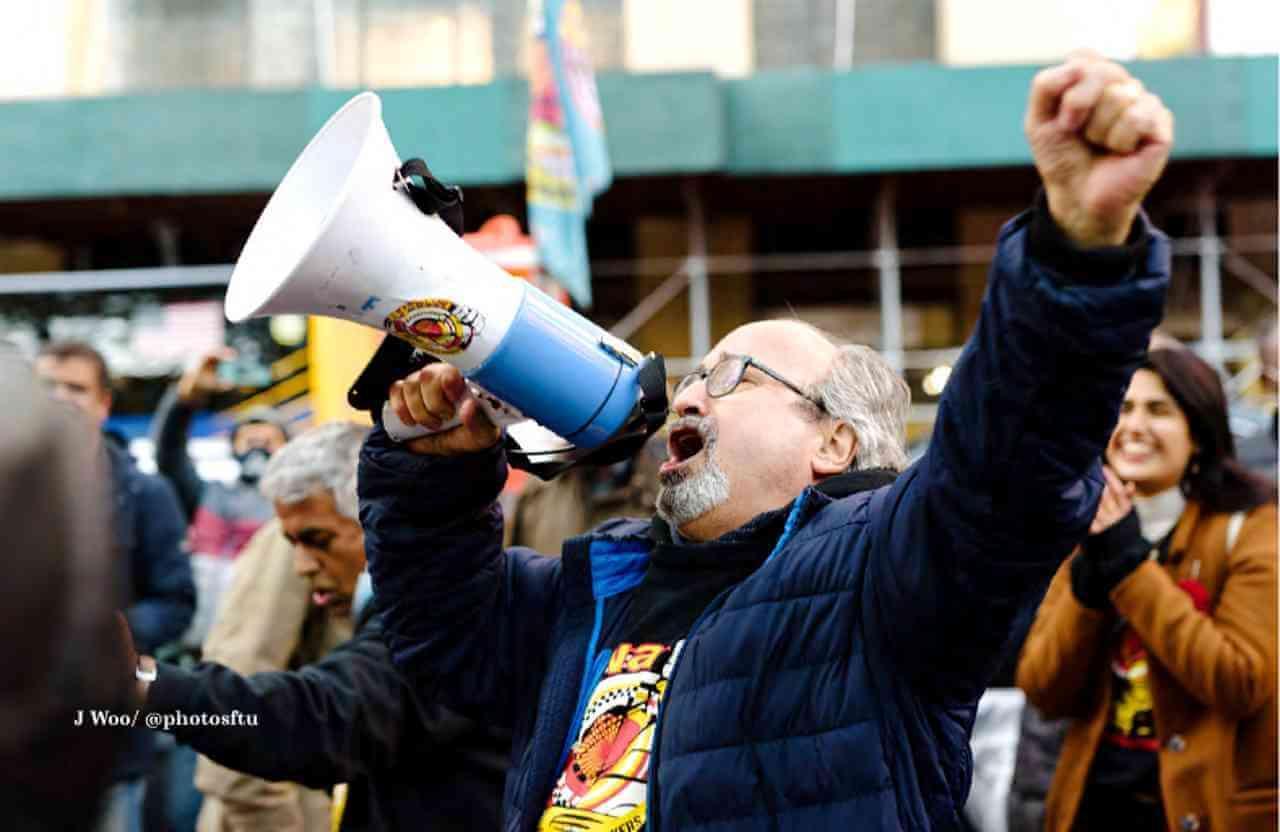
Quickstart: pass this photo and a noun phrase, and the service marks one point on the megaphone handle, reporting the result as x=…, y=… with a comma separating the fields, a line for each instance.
x=499, y=412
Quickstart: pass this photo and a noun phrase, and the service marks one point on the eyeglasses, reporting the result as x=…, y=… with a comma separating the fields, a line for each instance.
x=726, y=375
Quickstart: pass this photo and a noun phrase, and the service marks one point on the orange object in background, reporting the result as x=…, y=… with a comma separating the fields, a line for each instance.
x=507, y=245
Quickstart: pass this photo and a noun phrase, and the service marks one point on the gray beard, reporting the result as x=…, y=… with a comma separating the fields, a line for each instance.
x=689, y=496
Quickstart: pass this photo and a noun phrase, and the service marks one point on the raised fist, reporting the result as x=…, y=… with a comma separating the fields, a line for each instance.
x=1100, y=141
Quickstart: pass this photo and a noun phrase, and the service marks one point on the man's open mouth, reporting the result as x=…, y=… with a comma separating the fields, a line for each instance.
x=683, y=444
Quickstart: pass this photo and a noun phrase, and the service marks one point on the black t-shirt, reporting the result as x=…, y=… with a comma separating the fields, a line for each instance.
x=684, y=577
x=606, y=775
x=1127, y=758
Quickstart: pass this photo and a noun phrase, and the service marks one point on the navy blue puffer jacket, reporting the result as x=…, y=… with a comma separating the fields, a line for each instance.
x=836, y=686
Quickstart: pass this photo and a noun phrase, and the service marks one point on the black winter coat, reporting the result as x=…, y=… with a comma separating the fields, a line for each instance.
x=348, y=718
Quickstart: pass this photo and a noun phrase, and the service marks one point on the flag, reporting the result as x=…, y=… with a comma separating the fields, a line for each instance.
x=567, y=161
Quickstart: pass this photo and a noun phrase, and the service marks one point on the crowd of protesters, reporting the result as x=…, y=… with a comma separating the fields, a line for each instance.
x=797, y=631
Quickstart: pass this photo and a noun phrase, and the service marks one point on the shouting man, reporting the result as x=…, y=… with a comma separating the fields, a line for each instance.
x=799, y=639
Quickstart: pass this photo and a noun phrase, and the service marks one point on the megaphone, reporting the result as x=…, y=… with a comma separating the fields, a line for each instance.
x=342, y=236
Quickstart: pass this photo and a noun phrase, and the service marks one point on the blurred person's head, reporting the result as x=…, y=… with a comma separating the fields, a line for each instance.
x=256, y=436
x=59, y=642
x=1173, y=432
x=312, y=483
x=803, y=409
x=76, y=373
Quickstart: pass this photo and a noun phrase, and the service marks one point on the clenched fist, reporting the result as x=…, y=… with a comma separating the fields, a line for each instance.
x=1100, y=141
x=431, y=397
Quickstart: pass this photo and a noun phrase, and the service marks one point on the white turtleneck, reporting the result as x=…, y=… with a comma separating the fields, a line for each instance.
x=1159, y=513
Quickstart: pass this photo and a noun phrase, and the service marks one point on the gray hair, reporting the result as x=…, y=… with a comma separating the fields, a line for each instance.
x=863, y=390
x=322, y=459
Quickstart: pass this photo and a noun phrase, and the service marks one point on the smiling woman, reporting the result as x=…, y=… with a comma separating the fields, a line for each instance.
x=1160, y=635
x=1152, y=445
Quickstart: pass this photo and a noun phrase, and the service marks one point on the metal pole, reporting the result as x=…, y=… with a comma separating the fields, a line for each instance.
x=846, y=26
x=699, y=286
x=1210, y=280
x=324, y=42
x=889, y=265
x=653, y=303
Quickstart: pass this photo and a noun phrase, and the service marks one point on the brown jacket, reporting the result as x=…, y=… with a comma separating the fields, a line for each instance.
x=1212, y=677
x=266, y=622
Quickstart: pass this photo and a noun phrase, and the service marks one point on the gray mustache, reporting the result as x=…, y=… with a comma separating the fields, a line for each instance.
x=705, y=427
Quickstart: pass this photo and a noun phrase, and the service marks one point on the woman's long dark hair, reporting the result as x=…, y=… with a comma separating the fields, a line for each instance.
x=1214, y=477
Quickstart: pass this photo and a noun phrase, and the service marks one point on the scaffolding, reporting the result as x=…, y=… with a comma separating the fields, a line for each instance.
x=1216, y=255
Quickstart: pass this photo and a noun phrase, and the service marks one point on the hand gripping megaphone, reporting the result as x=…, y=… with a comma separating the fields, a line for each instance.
x=349, y=234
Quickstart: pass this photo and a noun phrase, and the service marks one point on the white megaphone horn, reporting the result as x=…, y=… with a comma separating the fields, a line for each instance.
x=342, y=237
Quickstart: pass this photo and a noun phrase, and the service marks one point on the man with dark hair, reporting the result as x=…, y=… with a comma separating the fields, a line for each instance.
x=76, y=373
x=149, y=533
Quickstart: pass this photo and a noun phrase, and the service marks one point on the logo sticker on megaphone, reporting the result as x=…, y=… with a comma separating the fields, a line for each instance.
x=439, y=326
x=342, y=237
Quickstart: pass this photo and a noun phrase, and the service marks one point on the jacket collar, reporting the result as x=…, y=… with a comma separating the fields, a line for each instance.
x=613, y=558
x=852, y=482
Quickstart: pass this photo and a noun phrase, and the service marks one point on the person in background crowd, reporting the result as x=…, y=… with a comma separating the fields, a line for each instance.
x=1159, y=637
x=223, y=517
x=348, y=718
x=281, y=612
x=800, y=638
x=1259, y=452
x=1036, y=759
x=61, y=584
x=149, y=532
x=267, y=622
x=546, y=514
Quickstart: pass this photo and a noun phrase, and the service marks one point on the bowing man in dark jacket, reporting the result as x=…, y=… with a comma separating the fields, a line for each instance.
x=347, y=718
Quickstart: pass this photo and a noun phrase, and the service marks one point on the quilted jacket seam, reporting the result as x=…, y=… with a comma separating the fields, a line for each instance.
x=667, y=760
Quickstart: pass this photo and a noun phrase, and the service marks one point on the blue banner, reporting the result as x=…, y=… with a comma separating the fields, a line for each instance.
x=567, y=160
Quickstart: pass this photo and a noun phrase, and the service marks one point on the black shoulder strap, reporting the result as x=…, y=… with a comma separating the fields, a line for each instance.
x=430, y=194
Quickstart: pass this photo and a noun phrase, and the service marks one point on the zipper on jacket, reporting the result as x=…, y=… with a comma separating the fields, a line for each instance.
x=593, y=668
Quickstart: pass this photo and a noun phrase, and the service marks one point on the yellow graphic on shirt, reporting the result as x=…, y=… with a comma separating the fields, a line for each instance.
x=605, y=779
x=1132, y=723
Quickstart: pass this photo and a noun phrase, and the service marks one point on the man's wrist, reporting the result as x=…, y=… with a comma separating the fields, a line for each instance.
x=1049, y=244
x=1085, y=230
